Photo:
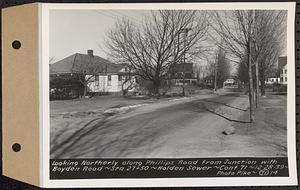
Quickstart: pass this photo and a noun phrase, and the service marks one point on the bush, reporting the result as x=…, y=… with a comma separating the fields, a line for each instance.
x=279, y=88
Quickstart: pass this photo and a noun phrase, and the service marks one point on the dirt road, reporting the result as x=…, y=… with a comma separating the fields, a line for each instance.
x=187, y=127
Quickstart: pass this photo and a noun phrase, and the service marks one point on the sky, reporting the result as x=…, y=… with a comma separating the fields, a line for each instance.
x=76, y=31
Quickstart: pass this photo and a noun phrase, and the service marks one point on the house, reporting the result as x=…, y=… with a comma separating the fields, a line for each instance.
x=231, y=83
x=183, y=71
x=272, y=80
x=282, y=68
x=282, y=61
x=283, y=74
x=92, y=73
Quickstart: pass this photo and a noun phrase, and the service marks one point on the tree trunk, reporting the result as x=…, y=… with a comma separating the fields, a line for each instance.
x=156, y=87
x=216, y=76
x=125, y=92
x=85, y=90
x=257, y=84
x=263, y=85
x=250, y=83
x=251, y=90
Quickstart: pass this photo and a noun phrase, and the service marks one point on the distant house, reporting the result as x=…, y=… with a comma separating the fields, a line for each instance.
x=281, y=76
x=272, y=80
x=231, y=83
x=282, y=61
x=282, y=68
x=183, y=71
x=100, y=75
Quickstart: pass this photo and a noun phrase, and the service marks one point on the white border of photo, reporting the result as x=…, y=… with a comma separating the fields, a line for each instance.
x=166, y=182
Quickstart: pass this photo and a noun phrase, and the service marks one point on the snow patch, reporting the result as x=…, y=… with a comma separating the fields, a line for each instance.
x=177, y=99
x=114, y=111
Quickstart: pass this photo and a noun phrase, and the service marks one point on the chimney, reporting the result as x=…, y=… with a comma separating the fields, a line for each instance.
x=90, y=52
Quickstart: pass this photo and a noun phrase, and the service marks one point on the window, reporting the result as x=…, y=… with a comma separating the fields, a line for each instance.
x=285, y=71
x=285, y=79
x=97, y=80
x=109, y=80
x=281, y=79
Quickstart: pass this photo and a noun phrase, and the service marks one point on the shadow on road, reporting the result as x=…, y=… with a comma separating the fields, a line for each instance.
x=75, y=137
x=227, y=105
x=232, y=120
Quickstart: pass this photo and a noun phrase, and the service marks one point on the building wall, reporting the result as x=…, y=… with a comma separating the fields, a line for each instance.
x=107, y=83
x=283, y=75
x=179, y=82
x=272, y=80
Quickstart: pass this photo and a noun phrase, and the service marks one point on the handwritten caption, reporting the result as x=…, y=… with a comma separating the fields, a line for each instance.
x=223, y=167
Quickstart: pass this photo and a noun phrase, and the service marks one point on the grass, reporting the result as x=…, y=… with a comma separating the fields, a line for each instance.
x=269, y=128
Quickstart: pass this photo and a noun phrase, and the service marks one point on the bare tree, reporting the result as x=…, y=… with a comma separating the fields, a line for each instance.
x=151, y=48
x=255, y=34
x=269, y=36
x=242, y=71
x=127, y=85
x=128, y=81
x=88, y=72
x=222, y=68
x=235, y=29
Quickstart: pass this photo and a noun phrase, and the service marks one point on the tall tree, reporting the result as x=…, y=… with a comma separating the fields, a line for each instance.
x=269, y=41
x=255, y=34
x=223, y=68
x=242, y=71
x=159, y=42
x=235, y=28
x=89, y=72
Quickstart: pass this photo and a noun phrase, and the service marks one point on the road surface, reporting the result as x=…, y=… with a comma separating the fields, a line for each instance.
x=187, y=127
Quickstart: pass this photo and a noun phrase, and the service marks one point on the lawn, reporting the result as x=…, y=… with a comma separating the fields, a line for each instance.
x=267, y=135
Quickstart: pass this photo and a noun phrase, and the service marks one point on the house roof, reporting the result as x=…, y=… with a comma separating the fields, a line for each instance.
x=89, y=64
x=282, y=61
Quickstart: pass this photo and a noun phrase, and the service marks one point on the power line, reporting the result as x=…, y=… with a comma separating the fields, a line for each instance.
x=124, y=15
x=116, y=15
x=103, y=14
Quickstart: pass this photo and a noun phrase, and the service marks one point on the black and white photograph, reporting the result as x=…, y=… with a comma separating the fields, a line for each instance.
x=196, y=85
x=168, y=83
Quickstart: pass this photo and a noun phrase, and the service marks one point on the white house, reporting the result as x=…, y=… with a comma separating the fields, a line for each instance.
x=101, y=75
x=113, y=81
x=272, y=80
x=283, y=74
